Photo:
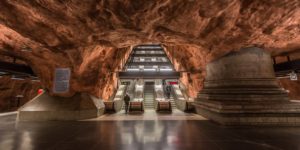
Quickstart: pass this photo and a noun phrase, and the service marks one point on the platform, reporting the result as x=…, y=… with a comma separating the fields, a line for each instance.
x=136, y=134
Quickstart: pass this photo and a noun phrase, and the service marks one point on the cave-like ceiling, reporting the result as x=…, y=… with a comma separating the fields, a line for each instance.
x=86, y=35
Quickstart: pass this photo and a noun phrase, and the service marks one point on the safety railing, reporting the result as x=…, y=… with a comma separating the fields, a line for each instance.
x=116, y=104
x=182, y=103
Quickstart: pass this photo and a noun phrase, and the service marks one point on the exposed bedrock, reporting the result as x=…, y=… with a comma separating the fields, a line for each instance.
x=292, y=87
x=92, y=69
x=91, y=36
x=9, y=89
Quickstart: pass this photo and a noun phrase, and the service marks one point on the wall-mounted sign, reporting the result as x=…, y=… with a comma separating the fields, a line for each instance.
x=293, y=76
x=61, y=80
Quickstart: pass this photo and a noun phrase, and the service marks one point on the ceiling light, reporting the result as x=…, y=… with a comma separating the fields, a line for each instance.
x=167, y=69
x=132, y=69
x=149, y=69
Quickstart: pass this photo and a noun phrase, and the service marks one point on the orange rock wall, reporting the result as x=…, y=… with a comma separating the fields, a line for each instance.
x=292, y=87
x=190, y=61
x=9, y=89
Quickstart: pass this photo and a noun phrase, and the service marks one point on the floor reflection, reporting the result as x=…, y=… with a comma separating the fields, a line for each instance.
x=147, y=133
x=139, y=134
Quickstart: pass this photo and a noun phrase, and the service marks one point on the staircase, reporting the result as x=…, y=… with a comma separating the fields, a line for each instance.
x=149, y=97
x=173, y=105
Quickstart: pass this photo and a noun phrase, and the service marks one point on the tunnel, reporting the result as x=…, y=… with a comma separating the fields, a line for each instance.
x=125, y=74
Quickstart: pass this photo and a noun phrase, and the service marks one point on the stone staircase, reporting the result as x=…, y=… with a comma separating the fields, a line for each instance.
x=149, y=97
x=172, y=102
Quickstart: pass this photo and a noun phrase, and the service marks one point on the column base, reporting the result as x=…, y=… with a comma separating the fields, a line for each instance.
x=245, y=113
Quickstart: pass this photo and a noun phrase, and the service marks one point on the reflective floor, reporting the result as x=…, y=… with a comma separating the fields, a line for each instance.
x=157, y=134
x=149, y=114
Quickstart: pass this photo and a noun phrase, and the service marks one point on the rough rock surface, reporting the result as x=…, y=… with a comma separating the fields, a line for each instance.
x=9, y=89
x=292, y=87
x=90, y=36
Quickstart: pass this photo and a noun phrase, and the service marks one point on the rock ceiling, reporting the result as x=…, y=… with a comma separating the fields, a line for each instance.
x=89, y=35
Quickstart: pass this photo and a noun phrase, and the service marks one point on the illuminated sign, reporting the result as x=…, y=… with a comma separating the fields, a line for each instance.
x=61, y=80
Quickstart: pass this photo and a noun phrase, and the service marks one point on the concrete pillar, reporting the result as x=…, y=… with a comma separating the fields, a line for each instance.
x=241, y=89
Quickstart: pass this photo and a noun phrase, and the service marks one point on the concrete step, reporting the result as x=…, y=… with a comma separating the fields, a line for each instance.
x=149, y=97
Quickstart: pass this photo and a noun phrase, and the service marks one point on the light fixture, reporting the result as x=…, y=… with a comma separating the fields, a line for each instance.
x=150, y=69
x=166, y=69
x=133, y=69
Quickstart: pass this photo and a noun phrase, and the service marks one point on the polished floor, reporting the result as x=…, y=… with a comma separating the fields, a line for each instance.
x=143, y=133
x=149, y=114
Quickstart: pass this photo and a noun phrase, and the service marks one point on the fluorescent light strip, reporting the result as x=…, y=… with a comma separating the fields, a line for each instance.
x=149, y=69
x=168, y=69
x=132, y=69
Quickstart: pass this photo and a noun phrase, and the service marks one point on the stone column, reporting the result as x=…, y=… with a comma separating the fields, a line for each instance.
x=241, y=89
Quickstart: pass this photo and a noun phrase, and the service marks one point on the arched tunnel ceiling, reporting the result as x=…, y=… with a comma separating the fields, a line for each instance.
x=86, y=35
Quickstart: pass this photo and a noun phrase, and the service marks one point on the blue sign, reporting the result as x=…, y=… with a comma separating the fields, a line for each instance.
x=61, y=80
